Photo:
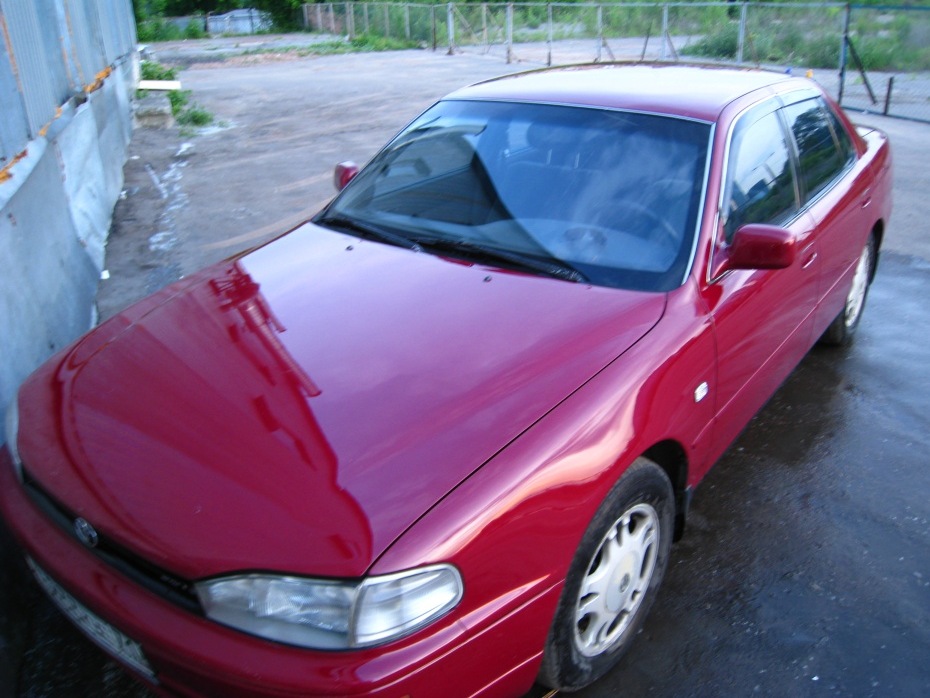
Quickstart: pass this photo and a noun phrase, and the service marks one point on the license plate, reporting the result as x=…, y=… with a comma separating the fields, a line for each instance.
x=97, y=629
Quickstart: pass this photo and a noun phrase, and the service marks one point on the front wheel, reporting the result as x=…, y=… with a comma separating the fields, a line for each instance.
x=841, y=330
x=613, y=579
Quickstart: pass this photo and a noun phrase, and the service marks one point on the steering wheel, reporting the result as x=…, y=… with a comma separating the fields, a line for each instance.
x=662, y=232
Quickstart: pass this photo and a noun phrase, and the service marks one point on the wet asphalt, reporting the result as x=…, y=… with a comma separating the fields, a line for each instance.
x=805, y=570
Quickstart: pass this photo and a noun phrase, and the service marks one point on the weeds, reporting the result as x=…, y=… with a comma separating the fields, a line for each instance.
x=880, y=42
x=159, y=29
x=153, y=70
x=790, y=46
x=362, y=43
x=188, y=113
x=185, y=112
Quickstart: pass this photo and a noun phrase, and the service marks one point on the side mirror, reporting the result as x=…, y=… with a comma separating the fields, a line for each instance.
x=759, y=246
x=345, y=173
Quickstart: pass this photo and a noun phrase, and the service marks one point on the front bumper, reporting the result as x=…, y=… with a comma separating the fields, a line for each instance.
x=192, y=656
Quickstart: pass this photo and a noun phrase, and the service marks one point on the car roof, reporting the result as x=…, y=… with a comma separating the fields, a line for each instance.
x=693, y=91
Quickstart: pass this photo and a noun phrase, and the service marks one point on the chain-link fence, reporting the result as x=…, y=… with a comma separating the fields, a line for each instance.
x=887, y=61
x=872, y=58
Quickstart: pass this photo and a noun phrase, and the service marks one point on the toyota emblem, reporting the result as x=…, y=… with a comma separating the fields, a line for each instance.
x=86, y=533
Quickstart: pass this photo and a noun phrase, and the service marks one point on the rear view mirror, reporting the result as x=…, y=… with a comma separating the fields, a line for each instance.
x=759, y=246
x=345, y=173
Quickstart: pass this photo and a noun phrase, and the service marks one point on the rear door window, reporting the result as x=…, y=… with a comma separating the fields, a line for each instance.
x=820, y=157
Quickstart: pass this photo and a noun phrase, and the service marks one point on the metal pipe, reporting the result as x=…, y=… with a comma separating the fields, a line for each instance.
x=549, y=34
x=509, y=32
x=664, y=54
x=742, y=33
x=450, y=26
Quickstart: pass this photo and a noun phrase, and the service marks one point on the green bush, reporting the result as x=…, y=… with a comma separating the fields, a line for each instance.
x=195, y=30
x=157, y=30
x=188, y=113
x=153, y=70
x=195, y=116
x=722, y=42
x=179, y=100
x=823, y=52
x=789, y=46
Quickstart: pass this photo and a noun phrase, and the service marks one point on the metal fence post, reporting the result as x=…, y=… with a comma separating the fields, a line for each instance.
x=509, y=32
x=407, y=20
x=365, y=17
x=549, y=34
x=332, y=18
x=600, y=33
x=843, y=54
x=432, y=13
x=484, y=23
x=742, y=32
x=665, y=34
x=387, y=20
x=450, y=22
x=888, y=95
x=350, y=20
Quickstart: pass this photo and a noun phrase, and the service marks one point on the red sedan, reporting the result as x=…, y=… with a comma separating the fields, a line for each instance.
x=439, y=440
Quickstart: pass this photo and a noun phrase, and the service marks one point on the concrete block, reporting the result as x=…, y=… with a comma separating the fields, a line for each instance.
x=153, y=110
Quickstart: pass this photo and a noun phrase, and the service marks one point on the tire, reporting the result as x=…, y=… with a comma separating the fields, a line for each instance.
x=841, y=331
x=613, y=579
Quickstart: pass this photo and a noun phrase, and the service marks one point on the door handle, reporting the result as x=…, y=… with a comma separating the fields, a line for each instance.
x=808, y=255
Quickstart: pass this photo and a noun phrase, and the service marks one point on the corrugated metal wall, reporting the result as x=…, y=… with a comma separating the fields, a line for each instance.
x=51, y=50
x=68, y=69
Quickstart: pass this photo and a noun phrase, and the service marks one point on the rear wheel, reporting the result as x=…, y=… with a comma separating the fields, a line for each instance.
x=613, y=579
x=841, y=330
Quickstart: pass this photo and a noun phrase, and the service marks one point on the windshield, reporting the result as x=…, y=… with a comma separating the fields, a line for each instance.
x=609, y=197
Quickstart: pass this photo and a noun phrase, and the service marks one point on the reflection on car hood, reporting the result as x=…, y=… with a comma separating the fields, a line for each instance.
x=298, y=408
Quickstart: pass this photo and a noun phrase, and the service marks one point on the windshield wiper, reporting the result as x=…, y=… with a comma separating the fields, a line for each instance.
x=550, y=266
x=369, y=231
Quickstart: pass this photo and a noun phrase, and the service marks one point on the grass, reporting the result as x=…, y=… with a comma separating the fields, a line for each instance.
x=881, y=45
x=185, y=112
x=153, y=70
x=188, y=113
x=362, y=43
x=158, y=29
x=788, y=46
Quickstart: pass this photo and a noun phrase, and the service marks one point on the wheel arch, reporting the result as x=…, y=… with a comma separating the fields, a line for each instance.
x=673, y=459
x=878, y=230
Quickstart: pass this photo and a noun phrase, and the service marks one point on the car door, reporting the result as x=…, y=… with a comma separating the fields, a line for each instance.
x=762, y=318
x=835, y=193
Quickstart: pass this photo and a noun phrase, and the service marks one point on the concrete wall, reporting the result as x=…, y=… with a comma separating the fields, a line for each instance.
x=57, y=194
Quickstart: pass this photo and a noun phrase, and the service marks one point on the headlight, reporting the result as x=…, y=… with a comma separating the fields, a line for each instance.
x=332, y=615
x=12, y=433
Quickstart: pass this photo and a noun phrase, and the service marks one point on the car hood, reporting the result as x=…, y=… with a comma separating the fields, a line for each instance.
x=296, y=409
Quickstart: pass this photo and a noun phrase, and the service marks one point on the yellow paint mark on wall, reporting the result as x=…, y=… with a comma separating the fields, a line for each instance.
x=5, y=172
x=98, y=80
